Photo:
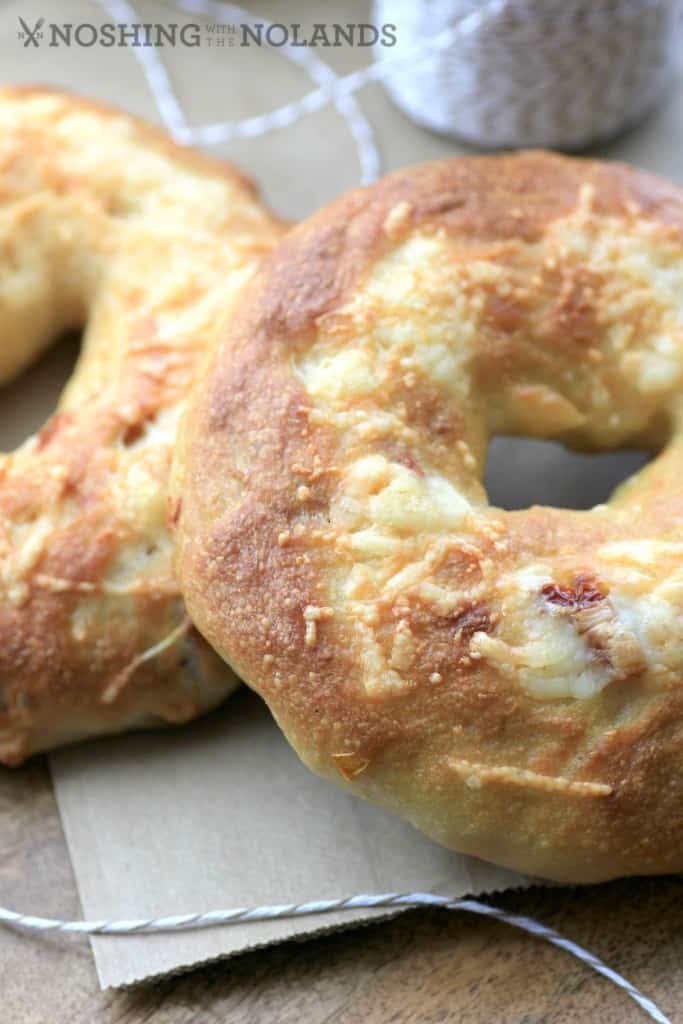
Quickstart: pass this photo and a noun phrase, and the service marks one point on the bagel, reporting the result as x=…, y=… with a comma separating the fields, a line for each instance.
x=105, y=224
x=509, y=681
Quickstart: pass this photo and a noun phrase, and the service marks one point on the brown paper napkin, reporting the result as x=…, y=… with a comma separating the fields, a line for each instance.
x=222, y=814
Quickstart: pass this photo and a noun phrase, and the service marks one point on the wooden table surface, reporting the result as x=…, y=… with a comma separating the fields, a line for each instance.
x=425, y=967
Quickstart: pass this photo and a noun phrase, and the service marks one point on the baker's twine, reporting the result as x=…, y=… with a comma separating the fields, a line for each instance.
x=332, y=88
x=559, y=73
x=497, y=73
x=338, y=91
x=366, y=901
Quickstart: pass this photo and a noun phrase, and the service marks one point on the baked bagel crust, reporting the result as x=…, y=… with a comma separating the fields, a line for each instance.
x=508, y=681
x=105, y=223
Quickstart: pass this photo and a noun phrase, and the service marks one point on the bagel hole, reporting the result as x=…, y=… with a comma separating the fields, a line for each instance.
x=523, y=471
x=28, y=401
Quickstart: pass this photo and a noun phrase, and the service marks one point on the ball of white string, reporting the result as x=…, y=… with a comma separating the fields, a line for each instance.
x=559, y=73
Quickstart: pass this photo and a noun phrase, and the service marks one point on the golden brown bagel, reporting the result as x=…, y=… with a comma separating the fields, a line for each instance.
x=511, y=682
x=105, y=223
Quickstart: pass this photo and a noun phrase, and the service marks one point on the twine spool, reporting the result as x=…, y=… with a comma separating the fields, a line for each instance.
x=559, y=73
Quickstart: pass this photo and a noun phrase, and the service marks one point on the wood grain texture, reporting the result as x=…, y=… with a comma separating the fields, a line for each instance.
x=426, y=967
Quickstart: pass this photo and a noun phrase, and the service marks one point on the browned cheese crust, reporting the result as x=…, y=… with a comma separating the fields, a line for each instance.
x=510, y=682
x=106, y=224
